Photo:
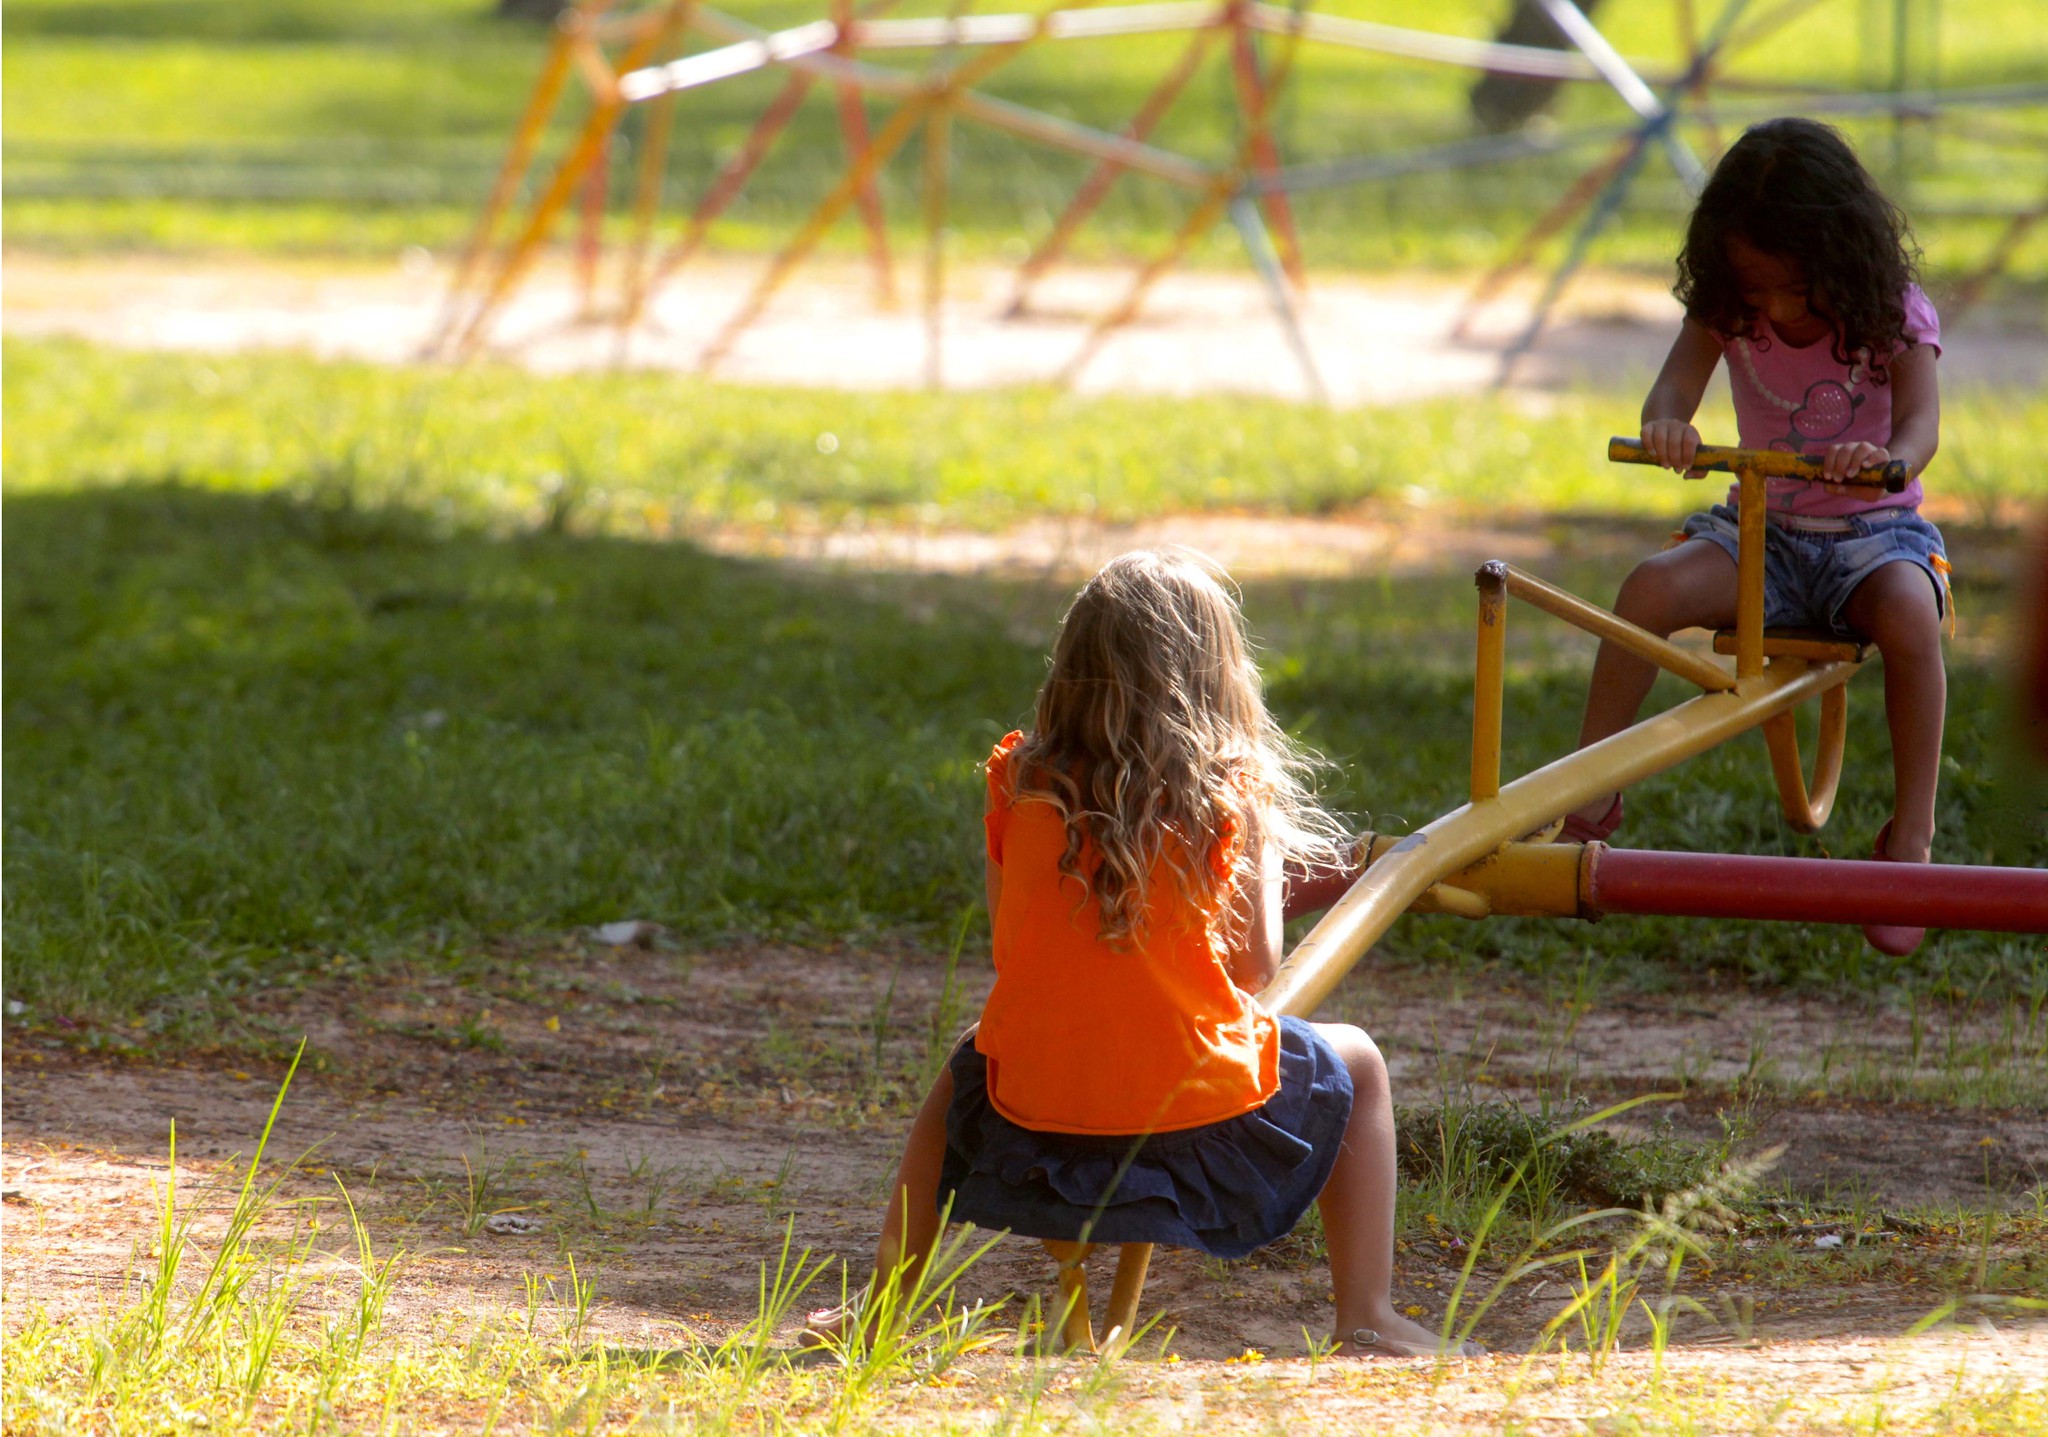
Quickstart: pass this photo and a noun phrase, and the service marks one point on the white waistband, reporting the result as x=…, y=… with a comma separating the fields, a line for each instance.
x=1833, y=523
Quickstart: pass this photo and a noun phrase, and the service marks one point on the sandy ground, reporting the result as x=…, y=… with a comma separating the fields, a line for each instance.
x=662, y=1112
x=1375, y=340
x=709, y=1095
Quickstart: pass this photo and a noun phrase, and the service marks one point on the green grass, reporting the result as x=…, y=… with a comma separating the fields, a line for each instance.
x=304, y=660
x=654, y=455
x=317, y=126
x=274, y=1304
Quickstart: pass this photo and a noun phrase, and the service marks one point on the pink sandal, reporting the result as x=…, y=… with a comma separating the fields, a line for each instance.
x=1890, y=938
x=1591, y=830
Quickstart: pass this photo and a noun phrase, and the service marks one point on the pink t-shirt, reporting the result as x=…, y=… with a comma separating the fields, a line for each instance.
x=1803, y=400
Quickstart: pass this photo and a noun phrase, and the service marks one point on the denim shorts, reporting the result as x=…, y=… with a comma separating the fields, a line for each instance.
x=1809, y=575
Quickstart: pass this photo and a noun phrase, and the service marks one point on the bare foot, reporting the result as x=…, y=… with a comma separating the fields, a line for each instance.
x=1904, y=847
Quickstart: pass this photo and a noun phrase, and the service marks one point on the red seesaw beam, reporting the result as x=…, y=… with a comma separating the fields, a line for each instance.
x=1814, y=890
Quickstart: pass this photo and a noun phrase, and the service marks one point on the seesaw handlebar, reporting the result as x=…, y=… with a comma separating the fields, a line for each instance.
x=1891, y=477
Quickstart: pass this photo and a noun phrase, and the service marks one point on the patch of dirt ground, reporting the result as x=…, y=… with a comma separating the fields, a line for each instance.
x=660, y=1114
x=1376, y=339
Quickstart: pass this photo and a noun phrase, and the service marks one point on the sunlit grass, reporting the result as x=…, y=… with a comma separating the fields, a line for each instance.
x=282, y=1307
x=306, y=660
x=652, y=455
x=313, y=125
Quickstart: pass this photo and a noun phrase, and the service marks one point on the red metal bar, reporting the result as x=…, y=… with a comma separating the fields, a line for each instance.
x=853, y=131
x=590, y=236
x=1817, y=890
x=1255, y=98
x=1105, y=174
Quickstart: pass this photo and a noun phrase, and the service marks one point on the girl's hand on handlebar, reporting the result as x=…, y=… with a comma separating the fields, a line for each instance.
x=1673, y=442
x=1845, y=460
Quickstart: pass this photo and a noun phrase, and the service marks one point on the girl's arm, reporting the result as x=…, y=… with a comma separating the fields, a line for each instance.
x=1916, y=419
x=1255, y=953
x=993, y=881
x=1673, y=400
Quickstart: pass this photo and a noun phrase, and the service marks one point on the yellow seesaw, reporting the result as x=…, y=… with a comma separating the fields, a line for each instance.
x=1473, y=861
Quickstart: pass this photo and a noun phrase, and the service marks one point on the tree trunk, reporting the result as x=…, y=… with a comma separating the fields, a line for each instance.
x=1505, y=102
x=544, y=12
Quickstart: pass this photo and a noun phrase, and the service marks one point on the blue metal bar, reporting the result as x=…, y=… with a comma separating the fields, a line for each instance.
x=1244, y=213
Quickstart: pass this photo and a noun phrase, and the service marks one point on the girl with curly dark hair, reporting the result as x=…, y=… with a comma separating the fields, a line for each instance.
x=1799, y=272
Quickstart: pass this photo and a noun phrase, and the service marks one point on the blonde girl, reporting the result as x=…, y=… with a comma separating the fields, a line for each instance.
x=1124, y=1084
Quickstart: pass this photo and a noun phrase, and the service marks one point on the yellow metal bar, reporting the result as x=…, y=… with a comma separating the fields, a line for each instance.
x=1527, y=880
x=938, y=150
x=1461, y=838
x=1489, y=679
x=1807, y=808
x=1800, y=644
x=1456, y=901
x=1749, y=574
x=1596, y=620
x=1077, y=1327
x=661, y=115
x=1133, y=1259
x=1774, y=463
x=547, y=89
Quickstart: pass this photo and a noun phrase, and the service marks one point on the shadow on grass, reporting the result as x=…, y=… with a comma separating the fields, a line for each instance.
x=246, y=733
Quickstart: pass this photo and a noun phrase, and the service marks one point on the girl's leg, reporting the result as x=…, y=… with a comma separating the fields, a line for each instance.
x=1358, y=1207
x=910, y=1228
x=1691, y=586
x=1897, y=608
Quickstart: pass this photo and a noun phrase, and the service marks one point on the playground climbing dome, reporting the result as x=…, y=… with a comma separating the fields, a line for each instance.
x=897, y=79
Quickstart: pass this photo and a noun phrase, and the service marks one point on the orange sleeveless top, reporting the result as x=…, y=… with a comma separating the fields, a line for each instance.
x=1083, y=1037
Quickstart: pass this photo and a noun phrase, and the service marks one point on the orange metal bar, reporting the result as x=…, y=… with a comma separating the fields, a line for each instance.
x=597, y=127
x=733, y=177
x=853, y=130
x=726, y=187
x=590, y=232
x=891, y=139
x=1552, y=220
x=1198, y=222
x=1257, y=104
x=938, y=135
x=1973, y=286
x=1104, y=176
x=887, y=142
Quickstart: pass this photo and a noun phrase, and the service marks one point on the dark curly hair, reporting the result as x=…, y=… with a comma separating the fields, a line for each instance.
x=1795, y=190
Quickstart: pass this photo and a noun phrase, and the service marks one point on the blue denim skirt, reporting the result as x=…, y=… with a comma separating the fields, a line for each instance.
x=1226, y=1189
x=1809, y=575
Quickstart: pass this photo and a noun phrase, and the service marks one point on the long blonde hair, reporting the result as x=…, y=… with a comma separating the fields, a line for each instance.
x=1152, y=726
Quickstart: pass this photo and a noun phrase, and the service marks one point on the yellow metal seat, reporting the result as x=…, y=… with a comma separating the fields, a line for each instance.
x=1077, y=1324
x=1817, y=645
